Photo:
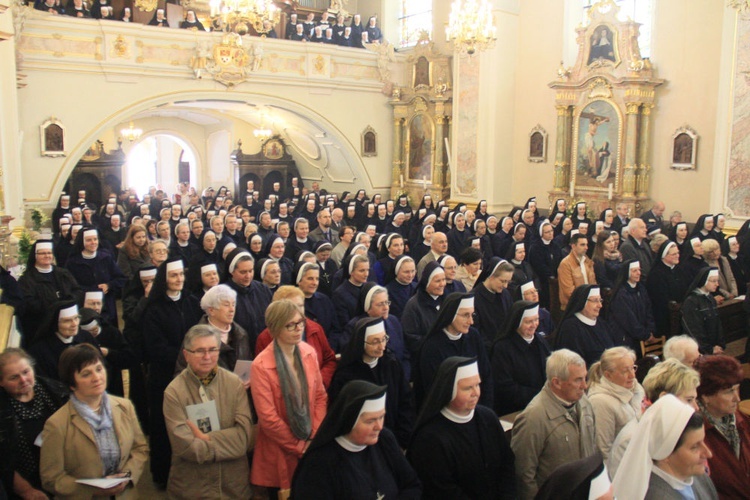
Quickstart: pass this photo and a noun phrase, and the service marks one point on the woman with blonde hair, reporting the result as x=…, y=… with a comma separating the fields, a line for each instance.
x=615, y=394
x=668, y=377
x=289, y=398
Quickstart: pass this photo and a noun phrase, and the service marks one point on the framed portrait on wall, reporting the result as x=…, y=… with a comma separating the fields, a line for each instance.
x=52, y=135
x=538, y=145
x=596, y=149
x=420, y=139
x=684, y=148
x=603, y=48
x=369, y=142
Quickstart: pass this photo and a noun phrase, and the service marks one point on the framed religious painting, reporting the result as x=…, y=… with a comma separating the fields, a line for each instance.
x=420, y=138
x=369, y=142
x=602, y=47
x=684, y=148
x=596, y=147
x=538, y=145
x=273, y=149
x=52, y=135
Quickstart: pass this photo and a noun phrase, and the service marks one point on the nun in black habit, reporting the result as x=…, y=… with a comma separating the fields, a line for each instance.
x=399, y=292
x=700, y=318
x=581, y=330
x=519, y=359
x=421, y=311
x=493, y=300
x=369, y=357
x=353, y=455
x=459, y=449
x=452, y=335
x=370, y=305
x=667, y=283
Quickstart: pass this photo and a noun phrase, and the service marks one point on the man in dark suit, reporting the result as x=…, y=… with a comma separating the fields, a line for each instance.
x=621, y=217
x=655, y=216
x=324, y=230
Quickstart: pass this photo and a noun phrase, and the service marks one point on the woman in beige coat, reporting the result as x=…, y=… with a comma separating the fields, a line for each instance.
x=93, y=436
x=615, y=394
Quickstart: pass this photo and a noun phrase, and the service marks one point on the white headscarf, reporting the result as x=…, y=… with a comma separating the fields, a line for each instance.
x=654, y=439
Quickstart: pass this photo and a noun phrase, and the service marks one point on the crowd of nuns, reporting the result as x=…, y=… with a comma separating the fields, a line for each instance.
x=409, y=329
x=323, y=29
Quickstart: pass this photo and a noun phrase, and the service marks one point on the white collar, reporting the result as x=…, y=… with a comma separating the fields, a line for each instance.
x=372, y=364
x=183, y=245
x=65, y=340
x=455, y=417
x=348, y=445
x=44, y=271
x=87, y=255
x=450, y=335
x=672, y=481
x=585, y=320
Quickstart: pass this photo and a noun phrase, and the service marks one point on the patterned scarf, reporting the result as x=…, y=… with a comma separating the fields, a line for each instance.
x=727, y=426
x=104, y=432
x=295, y=393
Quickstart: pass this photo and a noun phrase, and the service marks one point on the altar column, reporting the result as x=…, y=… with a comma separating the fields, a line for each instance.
x=437, y=169
x=644, y=169
x=561, y=149
x=631, y=145
x=397, y=173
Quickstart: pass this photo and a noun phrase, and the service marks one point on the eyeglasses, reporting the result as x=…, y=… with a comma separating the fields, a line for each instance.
x=378, y=342
x=160, y=250
x=385, y=303
x=467, y=315
x=628, y=370
x=202, y=352
x=595, y=301
x=290, y=327
x=450, y=268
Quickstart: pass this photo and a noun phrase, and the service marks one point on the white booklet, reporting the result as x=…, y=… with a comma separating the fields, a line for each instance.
x=204, y=416
x=242, y=369
x=104, y=482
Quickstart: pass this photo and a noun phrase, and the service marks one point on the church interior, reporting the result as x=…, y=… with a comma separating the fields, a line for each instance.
x=503, y=124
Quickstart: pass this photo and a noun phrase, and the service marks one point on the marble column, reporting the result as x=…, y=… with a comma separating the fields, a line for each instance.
x=561, y=149
x=644, y=168
x=631, y=145
x=397, y=155
x=437, y=169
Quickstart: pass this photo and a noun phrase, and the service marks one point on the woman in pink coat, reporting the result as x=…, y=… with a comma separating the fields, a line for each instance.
x=289, y=398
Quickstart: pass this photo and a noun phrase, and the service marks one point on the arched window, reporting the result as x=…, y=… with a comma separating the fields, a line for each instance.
x=414, y=17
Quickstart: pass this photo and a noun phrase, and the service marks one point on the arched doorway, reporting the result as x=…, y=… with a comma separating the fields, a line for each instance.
x=162, y=159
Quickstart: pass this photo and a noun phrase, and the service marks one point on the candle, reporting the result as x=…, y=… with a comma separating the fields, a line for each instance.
x=572, y=190
x=401, y=181
x=609, y=192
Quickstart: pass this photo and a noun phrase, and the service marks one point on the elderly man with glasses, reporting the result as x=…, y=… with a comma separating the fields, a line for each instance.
x=208, y=419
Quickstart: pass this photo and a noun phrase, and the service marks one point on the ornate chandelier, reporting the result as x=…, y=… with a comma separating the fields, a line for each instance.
x=471, y=26
x=237, y=16
x=131, y=133
x=263, y=133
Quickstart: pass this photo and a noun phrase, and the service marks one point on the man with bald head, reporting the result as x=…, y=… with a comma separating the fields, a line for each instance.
x=438, y=248
x=655, y=216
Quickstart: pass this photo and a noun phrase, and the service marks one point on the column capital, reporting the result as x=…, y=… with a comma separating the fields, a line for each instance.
x=631, y=108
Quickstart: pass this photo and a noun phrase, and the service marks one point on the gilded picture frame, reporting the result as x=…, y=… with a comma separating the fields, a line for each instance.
x=52, y=138
x=538, y=145
x=596, y=155
x=369, y=142
x=420, y=141
x=684, y=148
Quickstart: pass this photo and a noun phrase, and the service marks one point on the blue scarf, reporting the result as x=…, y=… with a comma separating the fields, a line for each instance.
x=104, y=432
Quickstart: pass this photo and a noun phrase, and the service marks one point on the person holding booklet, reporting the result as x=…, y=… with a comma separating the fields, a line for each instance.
x=93, y=445
x=209, y=424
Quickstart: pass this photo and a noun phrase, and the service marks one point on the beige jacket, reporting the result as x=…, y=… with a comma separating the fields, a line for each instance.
x=69, y=451
x=209, y=469
x=614, y=406
x=545, y=436
x=570, y=276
